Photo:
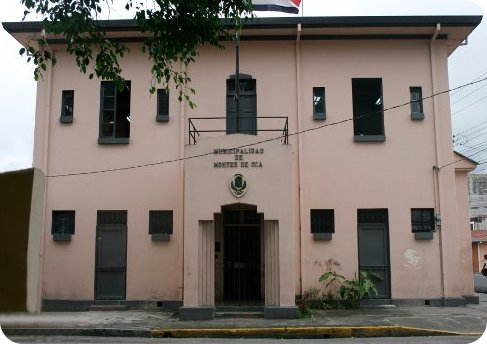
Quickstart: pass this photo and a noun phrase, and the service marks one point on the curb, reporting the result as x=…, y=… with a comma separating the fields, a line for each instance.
x=95, y=332
x=306, y=332
x=264, y=332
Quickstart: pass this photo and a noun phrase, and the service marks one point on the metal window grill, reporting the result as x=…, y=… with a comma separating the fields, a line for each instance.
x=322, y=220
x=422, y=220
x=63, y=222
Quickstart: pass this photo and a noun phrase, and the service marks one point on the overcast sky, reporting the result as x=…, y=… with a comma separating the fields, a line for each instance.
x=469, y=62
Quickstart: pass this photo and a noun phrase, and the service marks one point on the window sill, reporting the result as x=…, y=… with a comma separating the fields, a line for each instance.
x=61, y=237
x=66, y=119
x=322, y=236
x=113, y=140
x=319, y=116
x=369, y=138
x=423, y=235
x=417, y=116
x=160, y=237
x=162, y=118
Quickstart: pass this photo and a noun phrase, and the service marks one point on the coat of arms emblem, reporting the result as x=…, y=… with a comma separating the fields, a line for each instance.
x=238, y=185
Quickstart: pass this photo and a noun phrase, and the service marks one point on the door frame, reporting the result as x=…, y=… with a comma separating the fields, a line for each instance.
x=241, y=226
x=242, y=78
x=387, y=248
x=125, y=229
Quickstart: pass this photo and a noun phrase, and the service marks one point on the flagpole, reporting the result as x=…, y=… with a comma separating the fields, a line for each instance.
x=237, y=80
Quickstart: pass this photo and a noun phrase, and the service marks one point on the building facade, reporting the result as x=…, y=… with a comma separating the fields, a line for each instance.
x=477, y=186
x=333, y=161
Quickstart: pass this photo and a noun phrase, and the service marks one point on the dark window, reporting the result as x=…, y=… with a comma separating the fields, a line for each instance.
x=422, y=220
x=114, y=113
x=416, y=102
x=162, y=105
x=322, y=220
x=372, y=216
x=368, y=109
x=160, y=221
x=246, y=121
x=62, y=223
x=112, y=217
x=67, y=106
x=319, y=105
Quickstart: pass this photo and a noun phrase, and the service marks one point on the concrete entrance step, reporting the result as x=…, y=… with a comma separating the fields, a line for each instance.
x=235, y=308
x=239, y=312
x=108, y=308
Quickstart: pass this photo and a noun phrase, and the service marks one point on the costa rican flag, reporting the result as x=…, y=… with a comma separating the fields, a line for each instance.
x=288, y=6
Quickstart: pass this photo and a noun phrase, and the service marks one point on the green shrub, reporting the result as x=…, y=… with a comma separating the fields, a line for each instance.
x=351, y=291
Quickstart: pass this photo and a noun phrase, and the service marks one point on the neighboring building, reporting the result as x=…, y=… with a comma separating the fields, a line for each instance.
x=21, y=234
x=477, y=186
x=479, y=249
x=216, y=212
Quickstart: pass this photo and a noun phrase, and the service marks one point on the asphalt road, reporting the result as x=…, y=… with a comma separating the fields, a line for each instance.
x=110, y=340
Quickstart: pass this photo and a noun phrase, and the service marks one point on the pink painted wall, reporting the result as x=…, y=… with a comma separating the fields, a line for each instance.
x=335, y=171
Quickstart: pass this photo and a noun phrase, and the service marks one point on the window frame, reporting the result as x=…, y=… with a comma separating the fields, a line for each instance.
x=167, y=218
x=319, y=115
x=325, y=218
x=162, y=115
x=416, y=115
x=64, y=118
x=423, y=234
x=361, y=137
x=55, y=218
x=113, y=139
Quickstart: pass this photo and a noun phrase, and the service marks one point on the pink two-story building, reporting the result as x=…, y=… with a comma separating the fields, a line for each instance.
x=339, y=157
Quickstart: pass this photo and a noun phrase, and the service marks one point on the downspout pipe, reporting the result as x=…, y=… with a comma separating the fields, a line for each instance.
x=300, y=159
x=436, y=169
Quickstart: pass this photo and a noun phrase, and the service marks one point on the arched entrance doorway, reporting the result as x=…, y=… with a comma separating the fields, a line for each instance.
x=239, y=272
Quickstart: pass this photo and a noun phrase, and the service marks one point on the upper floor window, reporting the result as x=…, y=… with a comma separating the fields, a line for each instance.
x=319, y=105
x=368, y=110
x=416, y=103
x=67, y=106
x=162, y=105
x=114, y=113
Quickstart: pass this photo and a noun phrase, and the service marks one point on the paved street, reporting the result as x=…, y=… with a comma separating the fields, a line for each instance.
x=139, y=326
x=108, y=340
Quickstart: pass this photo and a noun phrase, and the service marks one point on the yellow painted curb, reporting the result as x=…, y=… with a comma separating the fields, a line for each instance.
x=319, y=331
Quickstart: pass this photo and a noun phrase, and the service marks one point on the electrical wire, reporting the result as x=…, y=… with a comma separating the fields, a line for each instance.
x=468, y=106
x=266, y=140
x=464, y=131
x=468, y=95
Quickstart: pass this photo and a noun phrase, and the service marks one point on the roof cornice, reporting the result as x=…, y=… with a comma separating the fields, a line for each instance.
x=290, y=22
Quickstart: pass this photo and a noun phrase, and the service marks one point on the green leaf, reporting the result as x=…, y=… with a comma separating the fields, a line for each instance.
x=22, y=51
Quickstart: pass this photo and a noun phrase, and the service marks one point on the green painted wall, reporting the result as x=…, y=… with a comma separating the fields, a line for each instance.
x=15, y=203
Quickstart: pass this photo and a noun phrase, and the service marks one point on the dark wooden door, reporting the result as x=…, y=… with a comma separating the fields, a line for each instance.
x=111, y=255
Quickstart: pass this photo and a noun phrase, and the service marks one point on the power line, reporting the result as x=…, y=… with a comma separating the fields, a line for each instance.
x=469, y=137
x=469, y=149
x=468, y=94
x=476, y=125
x=460, y=90
x=470, y=105
x=265, y=140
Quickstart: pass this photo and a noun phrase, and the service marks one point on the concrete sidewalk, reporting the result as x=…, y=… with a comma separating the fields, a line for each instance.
x=364, y=322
